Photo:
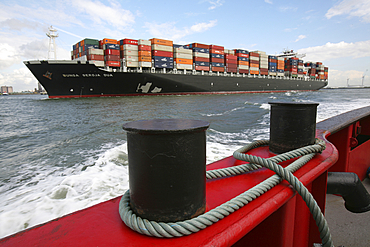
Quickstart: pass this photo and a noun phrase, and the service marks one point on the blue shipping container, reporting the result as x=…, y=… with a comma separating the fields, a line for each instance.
x=280, y=71
x=163, y=59
x=272, y=64
x=272, y=70
x=111, y=46
x=202, y=50
x=241, y=51
x=168, y=65
x=198, y=63
x=243, y=59
x=272, y=57
x=217, y=64
x=214, y=55
x=181, y=46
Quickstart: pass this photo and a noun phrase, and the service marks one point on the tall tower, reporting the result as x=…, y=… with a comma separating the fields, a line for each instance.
x=52, y=47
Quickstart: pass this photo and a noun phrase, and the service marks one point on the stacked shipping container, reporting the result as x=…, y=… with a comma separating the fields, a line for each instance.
x=111, y=52
x=145, y=53
x=183, y=57
x=254, y=63
x=201, y=58
x=217, y=57
x=162, y=52
x=272, y=64
x=129, y=52
x=243, y=61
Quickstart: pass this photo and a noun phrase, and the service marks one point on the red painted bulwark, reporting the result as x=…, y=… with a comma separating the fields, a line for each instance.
x=277, y=218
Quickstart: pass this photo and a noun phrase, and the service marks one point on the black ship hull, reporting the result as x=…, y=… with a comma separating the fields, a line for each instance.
x=71, y=79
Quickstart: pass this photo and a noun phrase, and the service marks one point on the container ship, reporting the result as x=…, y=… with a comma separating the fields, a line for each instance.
x=130, y=67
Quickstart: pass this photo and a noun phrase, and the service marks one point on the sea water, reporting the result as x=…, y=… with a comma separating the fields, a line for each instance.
x=61, y=155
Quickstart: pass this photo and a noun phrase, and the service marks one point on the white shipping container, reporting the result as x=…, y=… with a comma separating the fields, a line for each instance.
x=132, y=64
x=200, y=54
x=94, y=51
x=280, y=58
x=280, y=74
x=145, y=64
x=260, y=52
x=254, y=58
x=82, y=58
x=97, y=63
x=264, y=56
x=264, y=66
x=243, y=67
x=254, y=68
x=132, y=58
x=184, y=66
x=144, y=42
x=131, y=53
x=130, y=47
x=272, y=73
x=182, y=55
x=182, y=50
x=162, y=48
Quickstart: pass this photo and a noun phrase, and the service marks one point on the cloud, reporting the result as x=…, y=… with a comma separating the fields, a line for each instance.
x=290, y=29
x=268, y=1
x=337, y=50
x=300, y=37
x=16, y=24
x=339, y=78
x=215, y=4
x=357, y=8
x=287, y=9
x=8, y=55
x=168, y=30
x=21, y=79
x=100, y=13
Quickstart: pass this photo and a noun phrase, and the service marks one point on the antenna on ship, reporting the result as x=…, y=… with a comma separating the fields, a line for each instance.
x=363, y=77
x=52, y=35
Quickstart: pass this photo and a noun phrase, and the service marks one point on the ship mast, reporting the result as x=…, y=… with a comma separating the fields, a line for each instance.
x=52, y=47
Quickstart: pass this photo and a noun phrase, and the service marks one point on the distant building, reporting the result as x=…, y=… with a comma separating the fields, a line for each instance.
x=6, y=89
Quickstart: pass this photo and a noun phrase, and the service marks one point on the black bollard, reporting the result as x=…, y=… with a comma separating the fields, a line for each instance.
x=292, y=126
x=167, y=168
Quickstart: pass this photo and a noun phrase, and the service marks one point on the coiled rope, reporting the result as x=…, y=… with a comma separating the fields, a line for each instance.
x=187, y=227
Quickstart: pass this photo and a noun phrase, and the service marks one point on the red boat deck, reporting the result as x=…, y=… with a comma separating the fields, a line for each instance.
x=277, y=218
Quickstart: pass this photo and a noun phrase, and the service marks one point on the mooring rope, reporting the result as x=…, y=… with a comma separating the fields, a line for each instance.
x=187, y=227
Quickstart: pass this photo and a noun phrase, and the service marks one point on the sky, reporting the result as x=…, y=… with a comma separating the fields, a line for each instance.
x=336, y=33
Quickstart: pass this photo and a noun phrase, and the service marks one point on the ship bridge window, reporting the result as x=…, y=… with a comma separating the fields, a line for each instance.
x=71, y=90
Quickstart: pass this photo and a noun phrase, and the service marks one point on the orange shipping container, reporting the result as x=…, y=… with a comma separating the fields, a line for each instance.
x=161, y=42
x=184, y=61
x=254, y=72
x=255, y=65
x=145, y=53
x=219, y=69
x=145, y=59
x=243, y=63
x=109, y=41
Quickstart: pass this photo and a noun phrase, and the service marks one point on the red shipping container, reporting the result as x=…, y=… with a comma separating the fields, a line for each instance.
x=111, y=52
x=231, y=57
x=242, y=55
x=111, y=58
x=231, y=65
x=217, y=51
x=95, y=57
x=218, y=69
x=216, y=47
x=204, y=68
x=113, y=63
x=264, y=70
x=217, y=60
x=234, y=70
x=228, y=61
x=200, y=59
x=244, y=71
x=162, y=53
x=145, y=48
x=200, y=45
x=271, y=60
x=253, y=54
x=253, y=62
x=129, y=41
